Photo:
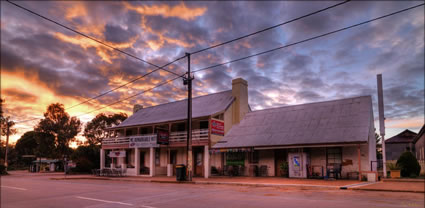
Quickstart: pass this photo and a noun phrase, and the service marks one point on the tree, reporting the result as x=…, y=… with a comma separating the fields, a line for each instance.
x=6, y=129
x=409, y=165
x=378, y=152
x=94, y=130
x=86, y=158
x=59, y=127
x=27, y=144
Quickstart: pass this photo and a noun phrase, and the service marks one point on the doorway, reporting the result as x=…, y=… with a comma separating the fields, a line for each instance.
x=280, y=157
x=173, y=160
x=198, y=161
x=143, y=168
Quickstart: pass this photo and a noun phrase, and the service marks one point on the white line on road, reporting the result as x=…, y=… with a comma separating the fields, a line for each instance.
x=11, y=187
x=100, y=200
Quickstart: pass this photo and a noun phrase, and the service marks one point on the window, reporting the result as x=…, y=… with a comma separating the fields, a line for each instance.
x=253, y=157
x=235, y=158
x=145, y=130
x=219, y=116
x=334, y=155
x=203, y=125
x=157, y=158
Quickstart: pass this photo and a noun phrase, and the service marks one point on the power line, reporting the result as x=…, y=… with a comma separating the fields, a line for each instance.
x=109, y=46
x=102, y=94
x=312, y=38
x=150, y=89
x=272, y=27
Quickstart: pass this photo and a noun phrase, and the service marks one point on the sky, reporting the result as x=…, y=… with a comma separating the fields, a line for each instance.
x=42, y=63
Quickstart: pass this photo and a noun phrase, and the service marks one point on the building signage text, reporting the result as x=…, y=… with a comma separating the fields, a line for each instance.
x=217, y=127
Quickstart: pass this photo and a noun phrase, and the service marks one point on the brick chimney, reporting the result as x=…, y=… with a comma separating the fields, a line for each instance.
x=240, y=106
x=136, y=108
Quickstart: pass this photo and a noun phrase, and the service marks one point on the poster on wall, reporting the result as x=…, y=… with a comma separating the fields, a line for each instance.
x=163, y=137
x=117, y=154
x=217, y=127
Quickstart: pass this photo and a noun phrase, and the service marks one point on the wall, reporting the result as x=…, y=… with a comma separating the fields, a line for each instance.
x=420, y=148
x=215, y=160
x=351, y=153
x=266, y=157
x=394, y=150
x=318, y=158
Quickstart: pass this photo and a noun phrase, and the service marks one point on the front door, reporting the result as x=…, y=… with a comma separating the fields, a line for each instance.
x=142, y=163
x=280, y=157
x=199, y=163
x=173, y=160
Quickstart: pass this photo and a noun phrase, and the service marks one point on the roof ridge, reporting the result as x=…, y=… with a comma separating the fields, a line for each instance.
x=273, y=108
x=182, y=100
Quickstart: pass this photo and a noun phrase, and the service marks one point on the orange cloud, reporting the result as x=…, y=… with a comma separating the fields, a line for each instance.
x=76, y=10
x=40, y=95
x=405, y=123
x=102, y=51
x=157, y=44
x=180, y=11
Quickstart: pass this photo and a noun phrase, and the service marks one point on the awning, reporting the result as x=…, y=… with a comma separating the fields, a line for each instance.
x=217, y=151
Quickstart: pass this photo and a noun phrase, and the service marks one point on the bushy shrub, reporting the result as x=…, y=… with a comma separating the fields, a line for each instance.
x=409, y=165
x=3, y=170
x=83, y=166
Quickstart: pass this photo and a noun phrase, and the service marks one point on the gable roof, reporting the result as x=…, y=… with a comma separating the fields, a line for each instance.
x=201, y=106
x=405, y=136
x=420, y=133
x=339, y=121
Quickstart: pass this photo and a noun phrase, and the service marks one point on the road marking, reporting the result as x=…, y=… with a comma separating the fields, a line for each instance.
x=146, y=206
x=11, y=187
x=106, y=201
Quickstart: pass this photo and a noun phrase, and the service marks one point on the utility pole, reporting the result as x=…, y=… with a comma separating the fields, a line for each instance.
x=382, y=122
x=188, y=81
x=7, y=143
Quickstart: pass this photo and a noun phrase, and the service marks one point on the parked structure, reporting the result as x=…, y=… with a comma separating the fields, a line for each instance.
x=134, y=145
x=398, y=144
x=333, y=138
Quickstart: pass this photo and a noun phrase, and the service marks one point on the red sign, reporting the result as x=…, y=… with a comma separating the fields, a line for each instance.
x=217, y=127
x=163, y=137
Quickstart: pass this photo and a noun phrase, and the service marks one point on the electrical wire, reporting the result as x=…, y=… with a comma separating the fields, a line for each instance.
x=308, y=39
x=272, y=27
x=107, y=45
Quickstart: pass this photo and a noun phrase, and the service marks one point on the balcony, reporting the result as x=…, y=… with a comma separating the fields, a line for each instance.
x=181, y=136
x=149, y=140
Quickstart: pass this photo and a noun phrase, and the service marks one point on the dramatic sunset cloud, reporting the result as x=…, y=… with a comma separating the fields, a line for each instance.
x=42, y=63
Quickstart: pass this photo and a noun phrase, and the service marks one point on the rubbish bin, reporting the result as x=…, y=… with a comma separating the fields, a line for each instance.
x=180, y=172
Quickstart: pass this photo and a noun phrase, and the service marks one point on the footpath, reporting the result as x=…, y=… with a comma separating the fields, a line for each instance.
x=401, y=185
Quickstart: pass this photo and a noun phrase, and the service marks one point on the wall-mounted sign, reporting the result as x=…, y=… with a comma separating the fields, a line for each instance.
x=217, y=127
x=142, y=141
x=117, y=154
x=163, y=137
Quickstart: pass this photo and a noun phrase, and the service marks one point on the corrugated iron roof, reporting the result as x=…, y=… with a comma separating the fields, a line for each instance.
x=338, y=121
x=201, y=106
x=406, y=136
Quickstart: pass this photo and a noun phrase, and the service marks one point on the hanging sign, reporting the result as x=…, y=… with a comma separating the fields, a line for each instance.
x=217, y=127
x=117, y=154
x=163, y=137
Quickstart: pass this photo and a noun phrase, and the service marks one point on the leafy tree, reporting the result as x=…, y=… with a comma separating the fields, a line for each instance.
x=378, y=140
x=58, y=128
x=6, y=129
x=86, y=158
x=27, y=144
x=409, y=165
x=94, y=130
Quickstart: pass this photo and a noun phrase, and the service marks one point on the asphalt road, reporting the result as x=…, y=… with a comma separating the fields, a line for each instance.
x=40, y=191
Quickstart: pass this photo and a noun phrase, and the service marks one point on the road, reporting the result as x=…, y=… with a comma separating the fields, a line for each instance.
x=40, y=191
